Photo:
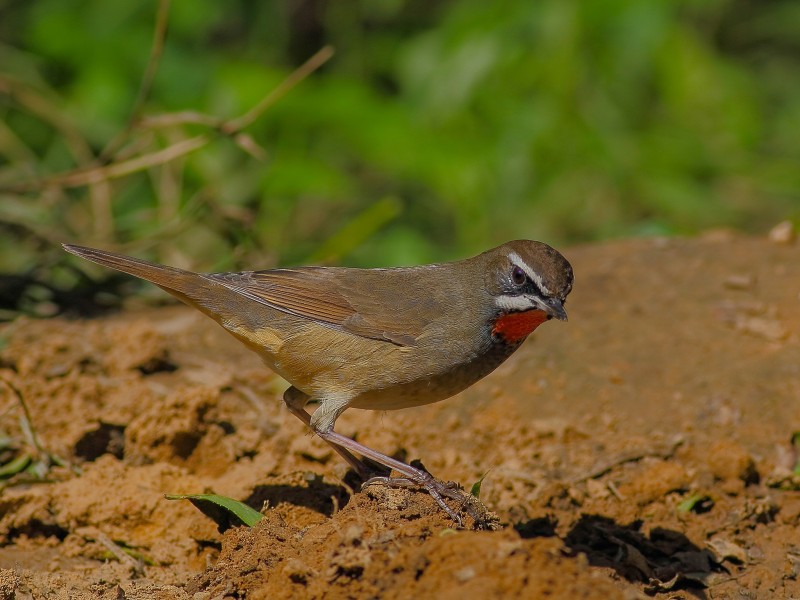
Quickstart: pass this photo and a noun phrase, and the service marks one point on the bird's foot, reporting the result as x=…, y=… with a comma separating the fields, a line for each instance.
x=439, y=490
x=413, y=476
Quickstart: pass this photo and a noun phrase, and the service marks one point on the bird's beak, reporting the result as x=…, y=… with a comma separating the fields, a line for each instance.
x=555, y=308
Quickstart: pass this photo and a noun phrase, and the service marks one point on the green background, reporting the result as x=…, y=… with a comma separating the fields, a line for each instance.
x=438, y=129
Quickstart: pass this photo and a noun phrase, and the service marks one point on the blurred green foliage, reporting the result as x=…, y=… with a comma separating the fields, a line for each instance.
x=437, y=129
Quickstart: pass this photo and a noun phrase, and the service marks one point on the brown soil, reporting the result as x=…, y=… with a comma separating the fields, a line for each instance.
x=642, y=449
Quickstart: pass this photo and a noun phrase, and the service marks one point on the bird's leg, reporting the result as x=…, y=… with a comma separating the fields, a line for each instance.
x=411, y=475
x=295, y=401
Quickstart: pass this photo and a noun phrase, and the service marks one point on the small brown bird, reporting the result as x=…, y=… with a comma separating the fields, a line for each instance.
x=377, y=339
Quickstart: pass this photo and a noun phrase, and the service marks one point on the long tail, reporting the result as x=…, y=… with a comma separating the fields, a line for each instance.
x=208, y=296
x=168, y=278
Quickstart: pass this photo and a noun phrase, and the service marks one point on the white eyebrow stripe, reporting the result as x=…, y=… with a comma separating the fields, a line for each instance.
x=515, y=258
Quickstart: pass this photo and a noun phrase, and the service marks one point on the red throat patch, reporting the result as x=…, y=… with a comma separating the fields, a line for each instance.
x=515, y=327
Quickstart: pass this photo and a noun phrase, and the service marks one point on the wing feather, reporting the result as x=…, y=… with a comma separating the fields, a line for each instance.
x=315, y=293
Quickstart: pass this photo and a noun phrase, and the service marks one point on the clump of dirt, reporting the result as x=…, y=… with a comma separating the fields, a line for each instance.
x=383, y=556
x=644, y=449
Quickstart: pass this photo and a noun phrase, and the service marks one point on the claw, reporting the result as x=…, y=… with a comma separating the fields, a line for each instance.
x=438, y=490
x=410, y=476
x=404, y=482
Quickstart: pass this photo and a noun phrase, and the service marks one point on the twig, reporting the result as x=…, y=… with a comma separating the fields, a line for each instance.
x=37, y=104
x=146, y=85
x=183, y=117
x=248, y=144
x=100, y=201
x=312, y=64
x=615, y=491
x=33, y=231
x=625, y=457
x=232, y=128
x=115, y=170
x=44, y=458
x=27, y=420
x=14, y=147
x=136, y=566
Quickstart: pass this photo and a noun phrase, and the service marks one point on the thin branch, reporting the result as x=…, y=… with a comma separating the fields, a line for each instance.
x=94, y=175
x=664, y=451
x=146, y=85
x=184, y=117
x=100, y=192
x=37, y=104
x=14, y=147
x=135, y=565
x=232, y=128
x=249, y=145
x=303, y=71
x=100, y=202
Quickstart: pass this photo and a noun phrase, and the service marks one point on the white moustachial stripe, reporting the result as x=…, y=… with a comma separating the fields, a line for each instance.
x=514, y=303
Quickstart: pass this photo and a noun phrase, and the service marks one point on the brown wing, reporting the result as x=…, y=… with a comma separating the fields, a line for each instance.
x=312, y=293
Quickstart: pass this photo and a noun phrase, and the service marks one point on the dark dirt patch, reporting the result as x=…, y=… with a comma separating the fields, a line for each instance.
x=644, y=448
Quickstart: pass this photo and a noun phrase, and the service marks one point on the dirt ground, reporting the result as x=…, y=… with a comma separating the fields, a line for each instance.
x=643, y=449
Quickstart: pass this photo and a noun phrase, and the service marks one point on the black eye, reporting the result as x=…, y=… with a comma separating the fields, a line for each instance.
x=518, y=276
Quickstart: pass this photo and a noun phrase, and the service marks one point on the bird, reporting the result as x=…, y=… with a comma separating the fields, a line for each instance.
x=377, y=338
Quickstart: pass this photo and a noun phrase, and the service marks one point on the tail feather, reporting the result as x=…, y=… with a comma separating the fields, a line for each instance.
x=234, y=311
x=168, y=278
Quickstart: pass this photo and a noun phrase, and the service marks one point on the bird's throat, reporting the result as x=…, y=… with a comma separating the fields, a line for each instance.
x=514, y=327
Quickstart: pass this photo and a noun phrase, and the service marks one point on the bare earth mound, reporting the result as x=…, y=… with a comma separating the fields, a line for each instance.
x=644, y=449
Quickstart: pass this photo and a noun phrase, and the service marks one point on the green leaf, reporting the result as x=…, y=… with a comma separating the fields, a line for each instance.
x=225, y=512
x=15, y=466
x=475, y=490
x=698, y=503
x=357, y=230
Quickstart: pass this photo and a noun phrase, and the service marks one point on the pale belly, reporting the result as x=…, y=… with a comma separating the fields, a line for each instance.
x=435, y=388
x=328, y=365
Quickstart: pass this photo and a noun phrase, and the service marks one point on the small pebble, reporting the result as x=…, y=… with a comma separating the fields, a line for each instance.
x=782, y=233
x=744, y=281
x=768, y=329
x=723, y=549
x=465, y=574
